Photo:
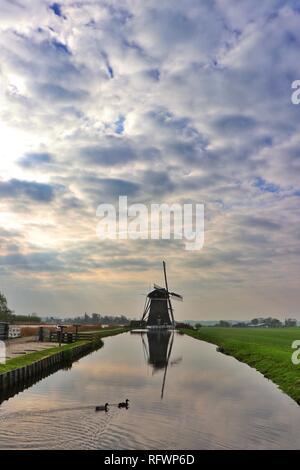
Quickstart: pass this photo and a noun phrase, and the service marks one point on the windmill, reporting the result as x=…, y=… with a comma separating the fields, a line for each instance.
x=158, y=311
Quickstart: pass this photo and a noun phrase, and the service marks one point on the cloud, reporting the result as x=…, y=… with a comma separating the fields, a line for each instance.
x=104, y=189
x=17, y=189
x=158, y=182
x=35, y=159
x=52, y=93
x=113, y=152
x=35, y=262
x=234, y=124
x=260, y=223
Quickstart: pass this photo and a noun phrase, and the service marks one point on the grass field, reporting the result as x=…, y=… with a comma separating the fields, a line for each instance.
x=267, y=350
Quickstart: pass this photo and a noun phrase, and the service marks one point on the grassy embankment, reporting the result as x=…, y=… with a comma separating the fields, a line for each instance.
x=267, y=350
x=27, y=359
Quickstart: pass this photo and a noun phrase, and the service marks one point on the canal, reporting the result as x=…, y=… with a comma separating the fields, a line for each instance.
x=183, y=395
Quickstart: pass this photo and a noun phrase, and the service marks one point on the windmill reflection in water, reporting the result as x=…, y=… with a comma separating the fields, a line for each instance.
x=158, y=352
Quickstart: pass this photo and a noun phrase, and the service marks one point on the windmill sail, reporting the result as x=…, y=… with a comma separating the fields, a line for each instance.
x=176, y=296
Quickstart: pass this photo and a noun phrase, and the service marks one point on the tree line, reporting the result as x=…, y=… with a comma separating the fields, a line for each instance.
x=92, y=319
x=8, y=315
x=267, y=322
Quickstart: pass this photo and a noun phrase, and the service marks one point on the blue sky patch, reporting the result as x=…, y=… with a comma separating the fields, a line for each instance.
x=109, y=68
x=120, y=125
x=265, y=186
x=56, y=8
x=60, y=47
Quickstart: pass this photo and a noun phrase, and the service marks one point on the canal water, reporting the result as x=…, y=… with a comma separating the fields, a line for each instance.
x=183, y=395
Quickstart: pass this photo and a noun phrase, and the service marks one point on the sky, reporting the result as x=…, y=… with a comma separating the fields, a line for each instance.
x=165, y=102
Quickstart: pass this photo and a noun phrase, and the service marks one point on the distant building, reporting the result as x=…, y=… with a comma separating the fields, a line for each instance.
x=14, y=331
x=258, y=325
x=8, y=331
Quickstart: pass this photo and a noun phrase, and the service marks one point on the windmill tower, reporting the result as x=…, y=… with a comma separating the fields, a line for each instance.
x=158, y=311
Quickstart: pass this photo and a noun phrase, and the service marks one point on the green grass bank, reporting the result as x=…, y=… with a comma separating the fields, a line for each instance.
x=268, y=350
x=30, y=358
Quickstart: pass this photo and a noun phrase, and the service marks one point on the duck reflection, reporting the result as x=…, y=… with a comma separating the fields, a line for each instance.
x=158, y=352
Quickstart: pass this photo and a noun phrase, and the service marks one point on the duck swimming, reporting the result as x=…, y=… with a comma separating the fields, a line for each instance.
x=102, y=407
x=123, y=404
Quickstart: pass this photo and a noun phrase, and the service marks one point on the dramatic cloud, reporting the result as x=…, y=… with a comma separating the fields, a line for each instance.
x=16, y=189
x=163, y=102
x=35, y=159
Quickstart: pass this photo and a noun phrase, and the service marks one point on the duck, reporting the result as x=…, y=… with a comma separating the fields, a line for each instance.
x=123, y=404
x=102, y=407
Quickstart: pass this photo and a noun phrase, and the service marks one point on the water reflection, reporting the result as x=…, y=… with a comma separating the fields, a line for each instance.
x=158, y=352
x=211, y=401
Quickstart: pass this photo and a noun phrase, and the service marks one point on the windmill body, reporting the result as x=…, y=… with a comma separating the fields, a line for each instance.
x=158, y=312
